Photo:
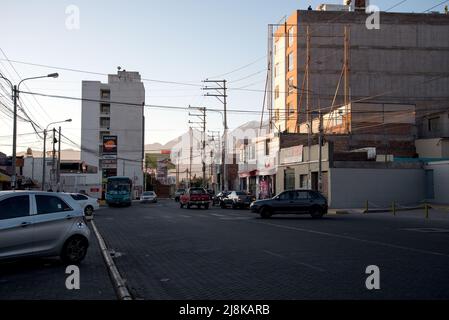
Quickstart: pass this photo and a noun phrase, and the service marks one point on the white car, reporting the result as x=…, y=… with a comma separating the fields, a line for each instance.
x=148, y=196
x=88, y=204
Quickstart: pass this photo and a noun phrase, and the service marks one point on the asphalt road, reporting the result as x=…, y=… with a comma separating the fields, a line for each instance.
x=165, y=252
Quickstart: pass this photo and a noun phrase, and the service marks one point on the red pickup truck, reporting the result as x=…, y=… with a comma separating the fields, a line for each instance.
x=195, y=197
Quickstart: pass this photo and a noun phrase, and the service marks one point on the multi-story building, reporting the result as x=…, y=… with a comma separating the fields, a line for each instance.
x=405, y=61
x=112, y=134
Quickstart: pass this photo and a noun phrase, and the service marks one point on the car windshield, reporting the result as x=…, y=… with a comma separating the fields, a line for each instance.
x=197, y=191
x=118, y=186
x=181, y=190
x=148, y=193
x=241, y=193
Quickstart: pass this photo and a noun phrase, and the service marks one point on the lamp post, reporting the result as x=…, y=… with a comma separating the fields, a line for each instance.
x=44, y=153
x=15, y=95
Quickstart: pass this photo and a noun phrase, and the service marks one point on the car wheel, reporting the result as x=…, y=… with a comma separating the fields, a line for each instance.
x=88, y=211
x=265, y=213
x=188, y=206
x=206, y=206
x=74, y=250
x=316, y=213
x=234, y=206
x=181, y=205
x=222, y=205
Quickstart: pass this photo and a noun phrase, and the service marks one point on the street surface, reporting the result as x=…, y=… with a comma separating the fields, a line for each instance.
x=164, y=252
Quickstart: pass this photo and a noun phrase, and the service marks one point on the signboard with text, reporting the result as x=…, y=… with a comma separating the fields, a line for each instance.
x=109, y=145
x=291, y=155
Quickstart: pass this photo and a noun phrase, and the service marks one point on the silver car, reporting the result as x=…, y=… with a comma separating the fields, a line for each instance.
x=42, y=224
x=148, y=196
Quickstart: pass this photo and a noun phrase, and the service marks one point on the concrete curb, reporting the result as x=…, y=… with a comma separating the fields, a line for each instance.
x=117, y=280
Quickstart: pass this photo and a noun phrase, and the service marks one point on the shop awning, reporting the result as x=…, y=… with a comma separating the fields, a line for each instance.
x=4, y=178
x=248, y=174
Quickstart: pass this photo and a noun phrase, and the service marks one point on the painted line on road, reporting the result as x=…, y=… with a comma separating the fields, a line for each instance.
x=185, y=216
x=334, y=235
x=294, y=261
x=217, y=215
x=117, y=280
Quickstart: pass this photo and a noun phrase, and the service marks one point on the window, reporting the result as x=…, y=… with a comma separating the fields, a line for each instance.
x=276, y=70
x=303, y=178
x=289, y=179
x=434, y=124
x=267, y=147
x=104, y=133
x=105, y=122
x=301, y=195
x=291, y=36
x=276, y=92
x=284, y=196
x=105, y=108
x=50, y=204
x=15, y=207
x=291, y=85
x=290, y=62
x=105, y=94
x=78, y=197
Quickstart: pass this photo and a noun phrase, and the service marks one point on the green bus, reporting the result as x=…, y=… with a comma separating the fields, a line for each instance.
x=119, y=191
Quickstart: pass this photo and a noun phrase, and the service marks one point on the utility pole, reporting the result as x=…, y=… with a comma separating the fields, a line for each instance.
x=221, y=94
x=309, y=122
x=202, y=124
x=320, y=152
x=53, y=162
x=58, y=169
x=190, y=157
x=346, y=78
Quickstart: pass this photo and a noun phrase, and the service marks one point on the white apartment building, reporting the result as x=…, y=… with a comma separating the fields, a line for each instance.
x=114, y=109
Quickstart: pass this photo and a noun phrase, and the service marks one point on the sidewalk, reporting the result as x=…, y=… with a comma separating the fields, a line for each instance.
x=440, y=213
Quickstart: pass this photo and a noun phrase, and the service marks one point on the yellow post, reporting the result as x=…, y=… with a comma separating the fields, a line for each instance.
x=394, y=208
x=426, y=208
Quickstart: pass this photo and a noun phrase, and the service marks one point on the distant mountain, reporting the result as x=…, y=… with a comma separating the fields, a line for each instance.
x=155, y=147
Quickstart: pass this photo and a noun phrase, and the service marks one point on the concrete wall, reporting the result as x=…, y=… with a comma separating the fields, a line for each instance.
x=351, y=188
x=433, y=148
x=440, y=181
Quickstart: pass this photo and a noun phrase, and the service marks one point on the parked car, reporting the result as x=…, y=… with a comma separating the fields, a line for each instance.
x=292, y=202
x=88, y=204
x=148, y=196
x=195, y=197
x=42, y=224
x=179, y=193
x=237, y=199
x=219, y=198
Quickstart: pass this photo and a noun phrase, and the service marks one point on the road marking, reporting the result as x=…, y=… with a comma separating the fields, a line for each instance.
x=334, y=235
x=294, y=261
x=217, y=215
x=184, y=216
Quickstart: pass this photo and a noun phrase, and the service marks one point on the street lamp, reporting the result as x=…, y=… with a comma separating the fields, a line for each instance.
x=45, y=151
x=15, y=94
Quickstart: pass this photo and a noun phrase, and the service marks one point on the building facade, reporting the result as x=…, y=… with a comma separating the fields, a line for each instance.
x=112, y=134
x=323, y=59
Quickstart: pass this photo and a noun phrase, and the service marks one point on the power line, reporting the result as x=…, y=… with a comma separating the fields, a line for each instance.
x=439, y=4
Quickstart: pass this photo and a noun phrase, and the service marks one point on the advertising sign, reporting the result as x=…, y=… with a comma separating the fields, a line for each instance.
x=109, y=164
x=291, y=155
x=110, y=145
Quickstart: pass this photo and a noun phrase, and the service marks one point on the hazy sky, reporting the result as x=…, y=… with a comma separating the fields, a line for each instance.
x=182, y=41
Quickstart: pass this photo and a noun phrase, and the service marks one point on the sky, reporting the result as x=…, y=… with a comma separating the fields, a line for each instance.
x=180, y=41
